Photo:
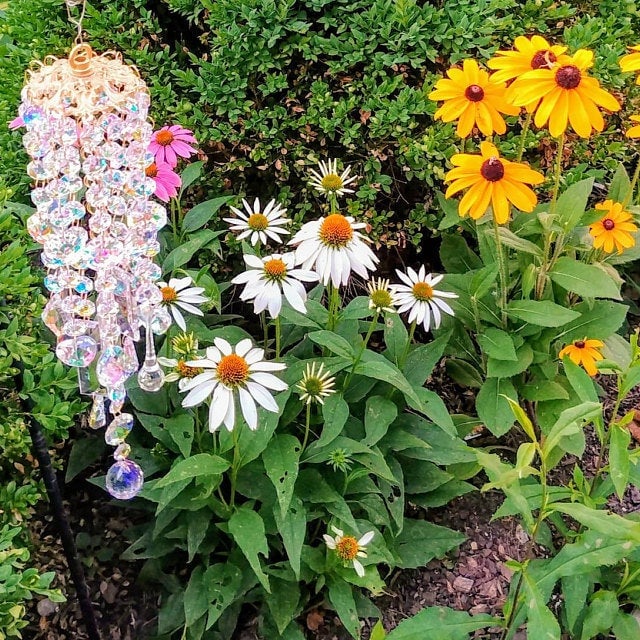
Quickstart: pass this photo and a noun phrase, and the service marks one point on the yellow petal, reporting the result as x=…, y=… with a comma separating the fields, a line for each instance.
x=500, y=203
x=578, y=115
x=559, y=117
x=520, y=195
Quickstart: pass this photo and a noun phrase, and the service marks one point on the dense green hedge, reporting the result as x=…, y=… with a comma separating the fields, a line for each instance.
x=272, y=86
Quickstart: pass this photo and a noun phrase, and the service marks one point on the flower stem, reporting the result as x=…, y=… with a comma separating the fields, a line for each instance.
x=502, y=273
x=405, y=353
x=265, y=329
x=307, y=426
x=278, y=332
x=235, y=466
x=523, y=136
x=334, y=306
x=547, y=262
x=357, y=359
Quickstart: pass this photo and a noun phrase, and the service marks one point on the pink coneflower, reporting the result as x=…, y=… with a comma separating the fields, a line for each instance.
x=16, y=123
x=170, y=142
x=167, y=181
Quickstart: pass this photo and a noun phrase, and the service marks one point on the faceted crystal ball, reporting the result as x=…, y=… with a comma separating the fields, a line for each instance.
x=124, y=479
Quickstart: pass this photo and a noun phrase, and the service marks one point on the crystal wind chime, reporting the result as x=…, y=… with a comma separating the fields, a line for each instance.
x=87, y=136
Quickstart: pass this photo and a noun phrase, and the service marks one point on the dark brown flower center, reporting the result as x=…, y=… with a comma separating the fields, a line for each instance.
x=608, y=224
x=568, y=77
x=474, y=93
x=580, y=344
x=492, y=170
x=543, y=59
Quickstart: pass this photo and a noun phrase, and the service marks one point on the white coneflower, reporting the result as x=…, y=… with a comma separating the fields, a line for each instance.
x=329, y=181
x=178, y=294
x=348, y=549
x=271, y=277
x=180, y=371
x=227, y=374
x=258, y=224
x=381, y=298
x=419, y=296
x=333, y=247
x=315, y=385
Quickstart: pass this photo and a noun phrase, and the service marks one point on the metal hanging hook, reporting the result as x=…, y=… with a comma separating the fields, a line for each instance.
x=70, y=5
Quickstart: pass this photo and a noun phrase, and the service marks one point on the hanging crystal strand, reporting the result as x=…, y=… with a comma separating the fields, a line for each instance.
x=150, y=376
x=87, y=136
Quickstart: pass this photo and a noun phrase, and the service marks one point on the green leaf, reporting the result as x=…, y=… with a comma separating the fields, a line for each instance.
x=522, y=417
x=600, y=319
x=542, y=623
x=183, y=253
x=464, y=373
x=247, y=528
x=196, y=601
x=422, y=360
x=493, y=408
x=84, y=452
x=356, y=309
x=620, y=185
x=572, y=203
x=341, y=597
x=482, y=281
x=332, y=341
x=507, y=368
x=223, y=584
x=202, y=464
x=395, y=336
x=421, y=541
x=283, y=602
x=281, y=461
x=497, y=344
x=569, y=422
x=180, y=428
x=197, y=525
x=456, y=256
x=575, y=590
x=609, y=524
x=519, y=244
x=374, y=365
x=542, y=313
x=441, y=623
x=581, y=382
x=378, y=632
x=335, y=412
x=190, y=174
x=626, y=627
x=587, y=280
x=434, y=408
x=543, y=390
x=379, y=413
x=601, y=614
x=619, y=458
x=292, y=527
x=202, y=213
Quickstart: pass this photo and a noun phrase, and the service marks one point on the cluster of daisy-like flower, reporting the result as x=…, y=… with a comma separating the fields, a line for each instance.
x=167, y=145
x=555, y=90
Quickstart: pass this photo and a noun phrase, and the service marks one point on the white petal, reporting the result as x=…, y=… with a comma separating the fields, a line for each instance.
x=180, y=283
x=267, y=366
x=329, y=541
x=219, y=406
x=436, y=314
x=262, y=396
x=358, y=567
x=249, y=409
x=230, y=417
x=190, y=308
x=444, y=306
x=338, y=532
x=178, y=317
x=366, y=538
x=293, y=297
x=255, y=355
x=253, y=261
x=269, y=380
x=199, y=393
x=243, y=347
x=223, y=345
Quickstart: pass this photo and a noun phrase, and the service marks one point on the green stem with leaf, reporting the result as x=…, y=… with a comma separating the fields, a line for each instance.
x=278, y=335
x=503, y=276
x=235, y=467
x=523, y=136
x=307, y=426
x=405, y=353
x=629, y=197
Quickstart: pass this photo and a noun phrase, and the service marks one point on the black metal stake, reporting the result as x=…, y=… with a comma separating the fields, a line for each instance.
x=60, y=517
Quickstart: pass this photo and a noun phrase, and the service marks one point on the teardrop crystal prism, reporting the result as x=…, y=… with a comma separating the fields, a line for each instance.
x=97, y=415
x=119, y=429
